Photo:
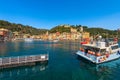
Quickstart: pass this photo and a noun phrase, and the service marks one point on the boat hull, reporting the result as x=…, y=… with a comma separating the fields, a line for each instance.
x=97, y=60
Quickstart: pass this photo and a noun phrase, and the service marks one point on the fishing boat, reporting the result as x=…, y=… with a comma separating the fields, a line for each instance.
x=99, y=51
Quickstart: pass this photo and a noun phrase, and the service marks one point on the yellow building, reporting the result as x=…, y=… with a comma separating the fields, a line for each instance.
x=85, y=35
x=73, y=30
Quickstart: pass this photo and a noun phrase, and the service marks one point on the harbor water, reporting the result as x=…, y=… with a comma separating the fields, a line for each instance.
x=63, y=63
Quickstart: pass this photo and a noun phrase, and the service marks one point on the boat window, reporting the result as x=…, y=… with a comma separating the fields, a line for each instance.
x=92, y=49
x=103, y=51
x=96, y=49
x=114, y=47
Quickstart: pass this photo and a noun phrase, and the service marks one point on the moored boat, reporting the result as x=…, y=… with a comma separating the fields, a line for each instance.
x=28, y=39
x=100, y=51
x=56, y=40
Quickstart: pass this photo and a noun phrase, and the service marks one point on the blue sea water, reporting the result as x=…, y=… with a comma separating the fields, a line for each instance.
x=63, y=63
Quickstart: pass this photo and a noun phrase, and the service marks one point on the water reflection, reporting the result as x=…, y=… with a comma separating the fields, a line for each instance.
x=19, y=48
x=104, y=71
x=68, y=45
x=7, y=47
x=20, y=72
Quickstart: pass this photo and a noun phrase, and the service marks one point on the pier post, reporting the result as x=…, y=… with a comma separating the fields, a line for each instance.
x=18, y=59
x=9, y=60
x=0, y=61
x=25, y=59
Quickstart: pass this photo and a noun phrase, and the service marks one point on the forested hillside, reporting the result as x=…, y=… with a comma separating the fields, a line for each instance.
x=21, y=28
x=60, y=28
x=93, y=31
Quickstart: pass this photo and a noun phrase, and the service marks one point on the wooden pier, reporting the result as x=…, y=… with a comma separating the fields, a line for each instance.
x=6, y=62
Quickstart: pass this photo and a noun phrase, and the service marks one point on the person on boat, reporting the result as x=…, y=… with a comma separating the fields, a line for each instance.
x=91, y=40
x=86, y=51
x=107, y=41
x=118, y=52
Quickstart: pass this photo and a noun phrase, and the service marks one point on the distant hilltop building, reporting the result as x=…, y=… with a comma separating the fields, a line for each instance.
x=73, y=30
x=65, y=25
x=81, y=29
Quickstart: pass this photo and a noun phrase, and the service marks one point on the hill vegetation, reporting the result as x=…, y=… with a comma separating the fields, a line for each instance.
x=92, y=31
x=60, y=28
x=21, y=28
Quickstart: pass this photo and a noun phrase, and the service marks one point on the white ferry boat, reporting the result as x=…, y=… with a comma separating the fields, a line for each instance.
x=100, y=51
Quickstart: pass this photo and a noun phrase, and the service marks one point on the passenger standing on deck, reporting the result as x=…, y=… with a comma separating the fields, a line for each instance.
x=118, y=52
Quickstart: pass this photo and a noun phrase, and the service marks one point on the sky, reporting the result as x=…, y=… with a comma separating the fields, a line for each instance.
x=50, y=13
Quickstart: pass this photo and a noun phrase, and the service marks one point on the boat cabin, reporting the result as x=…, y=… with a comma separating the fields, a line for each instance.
x=99, y=49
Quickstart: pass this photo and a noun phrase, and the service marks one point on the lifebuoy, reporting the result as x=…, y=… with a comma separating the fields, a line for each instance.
x=107, y=55
x=93, y=53
x=89, y=52
x=81, y=49
x=104, y=58
x=98, y=54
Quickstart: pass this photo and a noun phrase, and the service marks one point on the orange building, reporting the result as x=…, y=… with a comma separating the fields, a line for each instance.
x=5, y=34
